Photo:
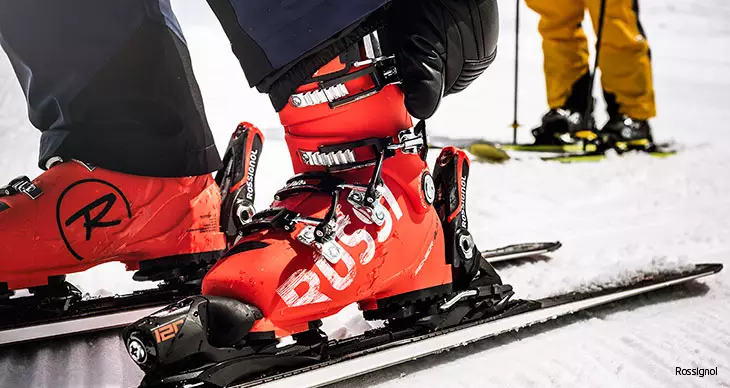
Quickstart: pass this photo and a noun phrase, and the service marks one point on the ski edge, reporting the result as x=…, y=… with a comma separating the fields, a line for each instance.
x=96, y=323
x=523, y=251
x=413, y=349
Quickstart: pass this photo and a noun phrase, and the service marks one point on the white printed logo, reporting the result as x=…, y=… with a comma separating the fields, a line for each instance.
x=332, y=253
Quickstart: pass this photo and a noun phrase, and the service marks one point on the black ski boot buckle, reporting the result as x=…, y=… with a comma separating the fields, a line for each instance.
x=21, y=185
x=381, y=70
x=277, y=218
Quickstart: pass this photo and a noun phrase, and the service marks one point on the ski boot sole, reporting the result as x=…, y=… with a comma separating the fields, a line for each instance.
x=404, y=305
x=177, y=268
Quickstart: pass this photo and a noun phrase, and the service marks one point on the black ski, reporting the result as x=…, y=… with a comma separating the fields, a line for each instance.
x=526, y=313
x=23, y=324
x=388, y=346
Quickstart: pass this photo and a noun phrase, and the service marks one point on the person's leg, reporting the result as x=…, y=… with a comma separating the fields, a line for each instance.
x=565, y=51
x=125, y=142
x=625, y=61
x=110, y=83
x=280, y=45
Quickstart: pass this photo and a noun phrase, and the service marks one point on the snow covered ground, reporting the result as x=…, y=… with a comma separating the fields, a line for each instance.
x=616, y=216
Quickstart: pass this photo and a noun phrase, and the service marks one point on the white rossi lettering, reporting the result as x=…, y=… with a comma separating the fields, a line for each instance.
x=287, y=290
x=331, y=253
x=326, y=263
x=360, y=236
x=387, y=227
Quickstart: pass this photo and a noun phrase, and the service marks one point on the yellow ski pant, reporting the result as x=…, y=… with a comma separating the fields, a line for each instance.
x=624, y=58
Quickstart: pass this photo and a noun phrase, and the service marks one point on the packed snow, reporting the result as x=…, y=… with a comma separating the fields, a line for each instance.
x=615, y=218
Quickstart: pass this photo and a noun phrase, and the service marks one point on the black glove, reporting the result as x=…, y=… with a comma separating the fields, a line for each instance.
x=442, y=46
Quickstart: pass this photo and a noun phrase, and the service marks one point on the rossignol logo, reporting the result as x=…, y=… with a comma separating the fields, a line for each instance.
x=463, y=203
x=78, y=218
x=252, y=163
x=93, y=222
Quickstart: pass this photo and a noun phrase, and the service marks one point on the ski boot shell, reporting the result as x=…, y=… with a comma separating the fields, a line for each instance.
x=374, y=252
x=76, y=216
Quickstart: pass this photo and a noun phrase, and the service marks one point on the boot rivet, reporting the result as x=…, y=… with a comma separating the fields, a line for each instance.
x=428, y=187
x=379, y=215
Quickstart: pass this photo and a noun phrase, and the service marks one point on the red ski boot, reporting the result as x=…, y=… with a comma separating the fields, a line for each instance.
x=357, y=233
x=76, y=216
x=357, y=224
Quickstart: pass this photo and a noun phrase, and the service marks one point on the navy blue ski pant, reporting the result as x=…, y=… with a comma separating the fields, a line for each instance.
x=110, y=82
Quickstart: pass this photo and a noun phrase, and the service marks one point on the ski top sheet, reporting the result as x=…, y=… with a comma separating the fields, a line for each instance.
x=566, y=154
x=108, y=313
x=496, y=152
x=524, y=315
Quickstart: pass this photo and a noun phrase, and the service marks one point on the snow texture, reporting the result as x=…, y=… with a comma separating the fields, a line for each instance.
x=615, y=218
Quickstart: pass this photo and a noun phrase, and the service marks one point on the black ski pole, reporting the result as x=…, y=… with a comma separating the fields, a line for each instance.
x=515, y=123
x=599, y=36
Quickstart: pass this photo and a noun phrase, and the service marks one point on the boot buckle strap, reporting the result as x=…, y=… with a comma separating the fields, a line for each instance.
x=21, y=185
x=382, y=72
x=340, y=157
x=328, y=159
x=319, y=96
